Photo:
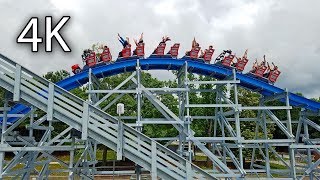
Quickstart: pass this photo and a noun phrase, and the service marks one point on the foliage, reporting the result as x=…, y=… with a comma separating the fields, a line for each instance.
x=56, y=76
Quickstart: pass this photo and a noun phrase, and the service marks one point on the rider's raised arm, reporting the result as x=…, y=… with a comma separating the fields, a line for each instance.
x=136, y=42
x=238, y=58
x=273, y=67
x=194, y=42
x=245, y=55
x=141, y=37
x=121, y=40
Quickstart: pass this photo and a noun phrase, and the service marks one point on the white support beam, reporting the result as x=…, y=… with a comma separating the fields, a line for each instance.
x=269, y=141
x=116, y=88
x=312, y=124
x=215, y=139
x=303, y=146
x=17, y=123
x=166, y=139
x=50, y=102
x=5, y=109
x=214, y=82
x=264, y=107
x=17, y=84
x=280, y=124
x=120, y=141
x=212, y=105
x=111, y=91
x=164, y=89
x=154, y=160
x=114, y=100
x=189, y=171
x=39, y=148
x=85, y=121
x=313, y=167
x=94, y=80
x=162, y=122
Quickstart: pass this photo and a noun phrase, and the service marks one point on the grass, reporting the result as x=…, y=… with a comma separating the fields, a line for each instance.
x=52, y=167
x=111, y=155
x=277, y=166
x=200, y=158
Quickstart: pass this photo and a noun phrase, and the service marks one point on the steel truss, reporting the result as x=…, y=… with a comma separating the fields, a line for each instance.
x=229, y=144
x=86, y=126
x=34, y=157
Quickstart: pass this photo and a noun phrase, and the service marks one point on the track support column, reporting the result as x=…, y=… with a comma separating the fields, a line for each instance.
x=266, y=145
x=3, y=129
x=120, y=140
x=237, y=119
x=17, y=80
x=289, y=127
x=71, y=159
x=182, y=102
x=138, y=122
x=187, y=118
x=154, y=160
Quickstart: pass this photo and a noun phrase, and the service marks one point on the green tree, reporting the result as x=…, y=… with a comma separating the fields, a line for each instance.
x=56, y=76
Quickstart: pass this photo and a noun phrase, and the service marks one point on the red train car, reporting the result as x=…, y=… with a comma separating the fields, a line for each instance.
x=241, y=64
x=227, y=60
x=105, y=56
x=76, y=68
x=174, y=50
x=273, y=76
x=140, y=50
x=260, y=71
x=194, y=52
x=160, y=49
x=91, y=60
x=208, y=55
x=126, y=52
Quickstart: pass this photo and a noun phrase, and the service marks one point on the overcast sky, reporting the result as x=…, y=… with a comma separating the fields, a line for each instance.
x=287, y=32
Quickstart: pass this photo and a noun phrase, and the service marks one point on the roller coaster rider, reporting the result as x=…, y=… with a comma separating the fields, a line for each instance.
x=125, y=43
x=255, y=66
x=163, y=41
x=86, y=53
x=194, y=45
x=269, y=70
x=140, y=42
x=202, y=53
x=263, y=63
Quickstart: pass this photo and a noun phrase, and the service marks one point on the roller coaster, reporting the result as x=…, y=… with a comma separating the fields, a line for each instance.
x=29, y=96
x=226, y=59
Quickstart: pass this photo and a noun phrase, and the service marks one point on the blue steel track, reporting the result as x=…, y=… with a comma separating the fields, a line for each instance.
x=216, y=71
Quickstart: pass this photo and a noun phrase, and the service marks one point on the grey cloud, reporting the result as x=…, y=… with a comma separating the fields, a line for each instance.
x=286, y=31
